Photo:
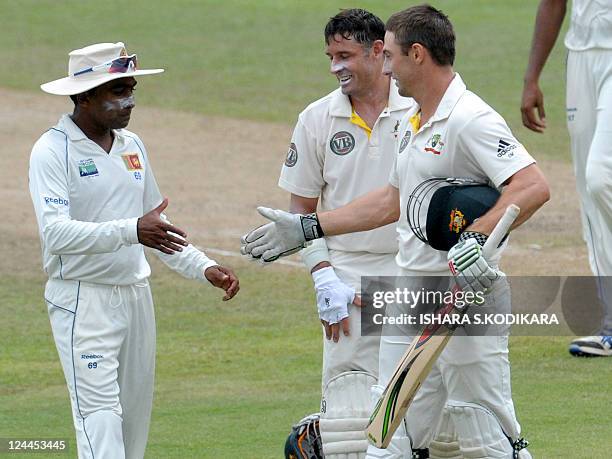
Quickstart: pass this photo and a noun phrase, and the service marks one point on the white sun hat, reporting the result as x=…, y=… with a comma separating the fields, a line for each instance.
x=95, y=65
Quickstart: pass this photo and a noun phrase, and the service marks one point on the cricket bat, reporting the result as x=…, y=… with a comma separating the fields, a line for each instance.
x=416, y=363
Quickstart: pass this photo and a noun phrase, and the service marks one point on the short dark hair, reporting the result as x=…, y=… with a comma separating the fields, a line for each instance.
x=363, y=26
x=75, y=98
x=427, y=26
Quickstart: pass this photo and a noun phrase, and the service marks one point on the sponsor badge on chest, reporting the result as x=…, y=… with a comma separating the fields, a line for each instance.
x=87, y=168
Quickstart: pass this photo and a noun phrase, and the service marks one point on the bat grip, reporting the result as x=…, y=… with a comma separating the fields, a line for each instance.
x=500, y=230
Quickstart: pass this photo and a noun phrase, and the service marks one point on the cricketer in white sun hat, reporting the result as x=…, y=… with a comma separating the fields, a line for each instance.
x=95, y=65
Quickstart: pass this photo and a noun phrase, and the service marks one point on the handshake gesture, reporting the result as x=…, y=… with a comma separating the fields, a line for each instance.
x=155, y=231
x=285, y=234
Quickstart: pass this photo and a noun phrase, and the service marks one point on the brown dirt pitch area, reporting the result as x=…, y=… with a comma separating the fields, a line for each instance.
x=215, y=172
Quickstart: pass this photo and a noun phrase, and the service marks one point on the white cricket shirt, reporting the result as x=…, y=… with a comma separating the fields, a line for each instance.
x=590, y=26
x=333, y=156
x=464, y=138
x=87, y=204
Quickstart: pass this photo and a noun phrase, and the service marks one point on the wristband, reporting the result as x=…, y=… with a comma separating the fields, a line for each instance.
x=480, y=237
x=311, y=226
x=314, y=253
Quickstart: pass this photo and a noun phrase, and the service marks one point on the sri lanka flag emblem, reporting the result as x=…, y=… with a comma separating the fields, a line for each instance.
x=132, y=162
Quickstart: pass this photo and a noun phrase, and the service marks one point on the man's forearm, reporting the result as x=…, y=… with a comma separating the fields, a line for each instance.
x=528, y=190
x=548, y=24
x=372, y=210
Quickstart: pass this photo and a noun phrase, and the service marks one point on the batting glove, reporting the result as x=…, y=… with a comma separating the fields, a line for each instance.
x=468, y=265
x=286, y=234
x=333, y=295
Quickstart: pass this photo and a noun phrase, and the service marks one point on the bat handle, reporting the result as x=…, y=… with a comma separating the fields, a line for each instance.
x=500, y=230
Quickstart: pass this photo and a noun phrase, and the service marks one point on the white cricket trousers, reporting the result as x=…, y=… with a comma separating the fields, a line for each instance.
x=472, y=371
x=105, y=338
x=589, y=121
x=350, y=366
x=355, y=352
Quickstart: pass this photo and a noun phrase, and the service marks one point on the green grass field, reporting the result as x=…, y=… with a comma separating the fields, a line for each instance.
x=232, y=377
x=264, y=59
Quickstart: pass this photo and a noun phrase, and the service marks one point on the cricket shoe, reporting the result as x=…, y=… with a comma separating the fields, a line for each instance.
x=592, y=346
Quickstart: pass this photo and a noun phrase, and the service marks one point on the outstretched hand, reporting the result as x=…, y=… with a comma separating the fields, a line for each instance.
x=285, y=234
x=223, y=278
x=158, y=234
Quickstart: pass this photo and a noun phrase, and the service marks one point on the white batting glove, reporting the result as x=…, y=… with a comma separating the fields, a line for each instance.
x=471, y=270
x=333, y=295
x=286, y=234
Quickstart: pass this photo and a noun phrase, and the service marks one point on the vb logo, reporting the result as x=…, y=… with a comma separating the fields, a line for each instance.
x=342, y=143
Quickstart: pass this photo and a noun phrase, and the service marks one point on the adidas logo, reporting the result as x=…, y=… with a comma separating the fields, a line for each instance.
x=504, y=147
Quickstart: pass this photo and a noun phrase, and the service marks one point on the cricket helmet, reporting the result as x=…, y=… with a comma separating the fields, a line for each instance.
x=439, y=209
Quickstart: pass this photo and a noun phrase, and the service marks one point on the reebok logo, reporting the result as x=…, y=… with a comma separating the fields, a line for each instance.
x=504, y=148
x=60, y=201
x=91, y=356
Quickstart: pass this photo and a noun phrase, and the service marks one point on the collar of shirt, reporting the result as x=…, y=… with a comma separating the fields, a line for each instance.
x=341, y=106
x=451, y=96
x=358, y=121
x=74, y=132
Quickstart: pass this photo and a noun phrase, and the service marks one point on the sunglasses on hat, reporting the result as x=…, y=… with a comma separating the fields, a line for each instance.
x=121, y=64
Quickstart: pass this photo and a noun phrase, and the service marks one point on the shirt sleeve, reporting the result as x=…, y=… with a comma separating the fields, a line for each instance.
x=60, y=234
x=488, y=144
x=191, y=262
x=302, y=173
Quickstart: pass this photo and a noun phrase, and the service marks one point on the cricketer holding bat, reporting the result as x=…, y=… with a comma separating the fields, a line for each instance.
x=450, y=133
x=97, y=205
x=343, y=146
